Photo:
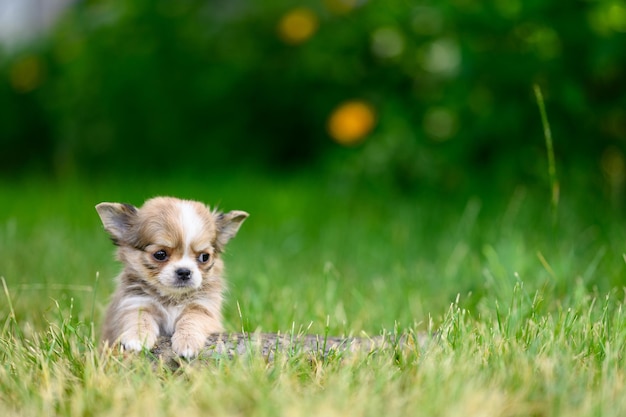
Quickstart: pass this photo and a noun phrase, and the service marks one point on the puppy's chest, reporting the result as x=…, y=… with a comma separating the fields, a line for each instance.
x=169, y=317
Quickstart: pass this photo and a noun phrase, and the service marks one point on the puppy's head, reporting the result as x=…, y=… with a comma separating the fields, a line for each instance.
x=173, y=245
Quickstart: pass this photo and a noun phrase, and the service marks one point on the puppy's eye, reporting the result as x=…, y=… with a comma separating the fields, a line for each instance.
x=160, y=255
x=204, y=258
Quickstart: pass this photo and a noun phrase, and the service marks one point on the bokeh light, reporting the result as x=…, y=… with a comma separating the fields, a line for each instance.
x=427, y=21
x=608, y=17
x=351, y=122
x=387, y=42
x=297, y=26
x=616, y=16
x=440, y=123
x=542, y=40
x=27, y=74
x=441, y=57
x=508, y=9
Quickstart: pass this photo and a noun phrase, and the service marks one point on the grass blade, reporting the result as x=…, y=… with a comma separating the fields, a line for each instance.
x=554, y=182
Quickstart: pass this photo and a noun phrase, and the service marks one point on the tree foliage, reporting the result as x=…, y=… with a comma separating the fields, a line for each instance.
x=196, y=84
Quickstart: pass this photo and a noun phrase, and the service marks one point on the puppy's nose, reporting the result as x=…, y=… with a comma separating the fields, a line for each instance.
x=183, y=274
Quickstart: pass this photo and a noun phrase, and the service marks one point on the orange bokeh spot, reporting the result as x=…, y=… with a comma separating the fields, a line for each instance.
x=297, y=26
x=351, y=121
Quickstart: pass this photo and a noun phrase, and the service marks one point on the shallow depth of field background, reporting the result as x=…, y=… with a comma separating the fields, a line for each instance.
x=391, y=153
x=340, y=125
x=207, y=88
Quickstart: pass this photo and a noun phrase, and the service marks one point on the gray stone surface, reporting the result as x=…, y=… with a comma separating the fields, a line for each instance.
x=228, y=345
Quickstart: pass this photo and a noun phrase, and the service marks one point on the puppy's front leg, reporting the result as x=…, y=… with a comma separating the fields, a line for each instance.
x=195, y=324
x=139, y=330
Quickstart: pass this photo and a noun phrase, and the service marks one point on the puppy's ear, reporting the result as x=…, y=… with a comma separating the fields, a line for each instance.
x=227, y=226
x=116, y=218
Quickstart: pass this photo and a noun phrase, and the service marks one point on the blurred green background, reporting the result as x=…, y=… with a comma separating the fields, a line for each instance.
x=386, y=149
x=199, y=86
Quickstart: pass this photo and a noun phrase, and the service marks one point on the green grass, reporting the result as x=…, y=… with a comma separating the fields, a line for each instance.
x=529, y=312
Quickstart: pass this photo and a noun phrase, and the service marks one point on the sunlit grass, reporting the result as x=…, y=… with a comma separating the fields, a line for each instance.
x=529, y=316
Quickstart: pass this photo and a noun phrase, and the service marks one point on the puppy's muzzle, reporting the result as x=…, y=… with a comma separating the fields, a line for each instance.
x=183, y=274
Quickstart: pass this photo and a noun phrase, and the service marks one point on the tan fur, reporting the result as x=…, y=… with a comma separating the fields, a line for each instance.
x=151, y=299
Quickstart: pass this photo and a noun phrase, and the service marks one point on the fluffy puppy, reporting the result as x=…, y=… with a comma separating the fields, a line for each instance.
x=172, y=281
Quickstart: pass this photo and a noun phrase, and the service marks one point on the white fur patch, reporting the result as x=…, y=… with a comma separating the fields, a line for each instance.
x=132, y=335
x=171, y=315
x=137, y=302
x=192, y=224
x=134, y=344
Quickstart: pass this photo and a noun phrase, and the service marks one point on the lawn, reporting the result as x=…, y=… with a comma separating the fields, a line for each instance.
x=527, y=307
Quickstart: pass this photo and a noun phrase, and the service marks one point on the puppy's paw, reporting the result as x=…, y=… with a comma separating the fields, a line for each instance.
x=187, y=345
x=136, y=344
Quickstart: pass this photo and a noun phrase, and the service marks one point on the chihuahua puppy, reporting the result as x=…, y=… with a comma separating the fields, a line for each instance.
x=171, y=284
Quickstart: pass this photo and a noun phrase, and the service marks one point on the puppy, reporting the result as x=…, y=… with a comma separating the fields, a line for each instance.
x=172, y=281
